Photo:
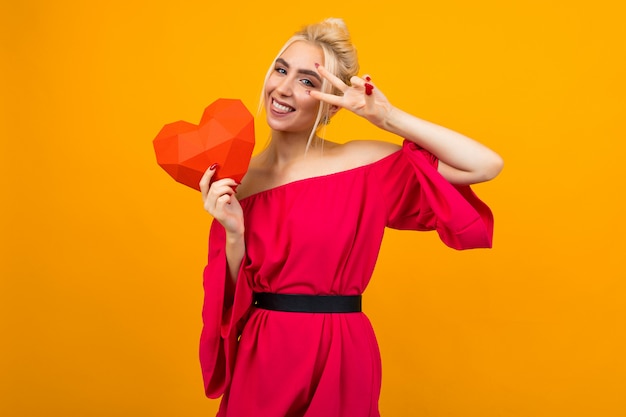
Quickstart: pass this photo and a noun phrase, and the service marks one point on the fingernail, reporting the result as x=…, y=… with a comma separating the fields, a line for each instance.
x=212, y=167
x=308, y=92
x=368, y=89
x=317, y=65
x=367, y=78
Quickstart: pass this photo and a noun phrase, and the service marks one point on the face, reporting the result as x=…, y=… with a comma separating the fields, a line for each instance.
x=289, y=107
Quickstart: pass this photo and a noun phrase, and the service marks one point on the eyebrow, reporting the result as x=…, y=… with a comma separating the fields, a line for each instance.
x=301, y=71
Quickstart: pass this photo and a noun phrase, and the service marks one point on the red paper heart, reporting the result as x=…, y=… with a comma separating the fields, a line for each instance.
x=224, y=136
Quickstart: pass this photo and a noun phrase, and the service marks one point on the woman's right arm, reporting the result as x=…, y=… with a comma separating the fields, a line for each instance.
x=220, y=201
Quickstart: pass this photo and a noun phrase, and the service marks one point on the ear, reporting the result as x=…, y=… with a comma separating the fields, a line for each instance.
x=333, y=110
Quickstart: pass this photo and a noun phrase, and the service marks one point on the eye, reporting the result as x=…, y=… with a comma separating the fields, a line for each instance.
x=281, y=70
x=307, y=82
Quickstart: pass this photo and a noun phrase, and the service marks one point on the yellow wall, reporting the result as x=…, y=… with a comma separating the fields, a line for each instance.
x=102, y=252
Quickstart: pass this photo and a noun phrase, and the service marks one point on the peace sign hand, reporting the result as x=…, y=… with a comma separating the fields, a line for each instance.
x=361, y=97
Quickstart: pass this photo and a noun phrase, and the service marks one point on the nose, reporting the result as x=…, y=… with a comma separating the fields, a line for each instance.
x=284, y=87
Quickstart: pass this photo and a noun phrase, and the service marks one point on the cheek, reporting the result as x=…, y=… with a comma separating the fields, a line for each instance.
x=312, y=104
x=270, y=84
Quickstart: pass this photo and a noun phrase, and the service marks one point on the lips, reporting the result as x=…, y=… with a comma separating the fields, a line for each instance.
x=281, y=107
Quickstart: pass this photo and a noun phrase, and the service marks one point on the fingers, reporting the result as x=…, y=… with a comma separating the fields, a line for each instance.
x=217, y=198
x=334, y=80
x=370, y=100
x=365, y=82
x=331, y=99
x=220, y=191
x=360, y=97
x=205, y=181
x=216, y=194
x=220, y=203
x=222, y=187
x=358, y=82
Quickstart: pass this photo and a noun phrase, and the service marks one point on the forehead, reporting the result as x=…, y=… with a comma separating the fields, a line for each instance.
x=305, y=53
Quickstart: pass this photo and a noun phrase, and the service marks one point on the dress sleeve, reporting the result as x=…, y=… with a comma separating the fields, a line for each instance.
x=419, y=198
x=224, y=313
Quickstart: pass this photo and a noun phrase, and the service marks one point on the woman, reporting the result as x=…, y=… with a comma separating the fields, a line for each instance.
x=294, y=245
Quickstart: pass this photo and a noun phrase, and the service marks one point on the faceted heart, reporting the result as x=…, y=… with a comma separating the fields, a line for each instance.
x=225, y=135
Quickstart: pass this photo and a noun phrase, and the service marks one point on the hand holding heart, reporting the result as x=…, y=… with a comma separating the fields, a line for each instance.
x=220, y=201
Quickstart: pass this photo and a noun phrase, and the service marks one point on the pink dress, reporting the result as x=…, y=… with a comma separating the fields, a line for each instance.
x=319, y=236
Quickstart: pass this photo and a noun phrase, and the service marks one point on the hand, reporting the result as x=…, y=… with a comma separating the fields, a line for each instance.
x=361, y=98
x=220, y=201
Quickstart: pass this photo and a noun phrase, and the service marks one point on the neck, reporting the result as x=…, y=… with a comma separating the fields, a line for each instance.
x=285, y=148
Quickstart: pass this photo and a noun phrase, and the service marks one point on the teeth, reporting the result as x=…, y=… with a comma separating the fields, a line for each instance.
x=280, y=107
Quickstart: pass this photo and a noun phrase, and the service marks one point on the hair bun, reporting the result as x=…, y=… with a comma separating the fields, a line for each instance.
x=337, y=22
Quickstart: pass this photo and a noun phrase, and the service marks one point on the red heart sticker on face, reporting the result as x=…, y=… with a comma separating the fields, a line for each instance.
x=224, y=136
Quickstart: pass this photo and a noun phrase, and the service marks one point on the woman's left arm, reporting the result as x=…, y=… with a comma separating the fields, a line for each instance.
x=461, y=160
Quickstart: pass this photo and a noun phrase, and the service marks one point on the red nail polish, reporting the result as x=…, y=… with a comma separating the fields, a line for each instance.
x=367, y=78
x=212, y=167
x=317, y=65
x=308, y=92
x=368, y=89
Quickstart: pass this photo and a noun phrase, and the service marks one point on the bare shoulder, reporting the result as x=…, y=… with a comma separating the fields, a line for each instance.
x=331, y=158
x=363, y=152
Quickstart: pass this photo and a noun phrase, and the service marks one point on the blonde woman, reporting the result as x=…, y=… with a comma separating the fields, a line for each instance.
x=294, y=247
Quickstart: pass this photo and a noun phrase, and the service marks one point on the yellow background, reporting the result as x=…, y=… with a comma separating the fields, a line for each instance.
x=102, y=252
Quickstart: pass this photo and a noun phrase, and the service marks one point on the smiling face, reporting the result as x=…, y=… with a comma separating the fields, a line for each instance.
x=289, y=108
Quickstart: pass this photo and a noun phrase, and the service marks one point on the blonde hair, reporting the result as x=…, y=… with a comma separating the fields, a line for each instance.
x=340, y=59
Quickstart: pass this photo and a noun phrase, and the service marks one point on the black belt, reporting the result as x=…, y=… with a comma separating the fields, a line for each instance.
x=305, y=303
